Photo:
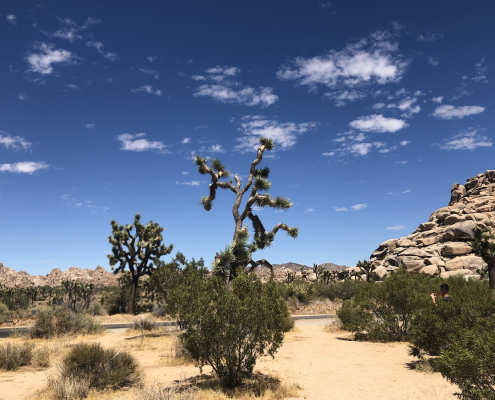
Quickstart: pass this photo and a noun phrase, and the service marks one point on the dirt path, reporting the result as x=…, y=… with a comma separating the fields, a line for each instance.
x=325, y=368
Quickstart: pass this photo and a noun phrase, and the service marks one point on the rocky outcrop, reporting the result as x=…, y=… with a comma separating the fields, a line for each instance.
x=99, y=276
x=280, y=271
x=442, y=244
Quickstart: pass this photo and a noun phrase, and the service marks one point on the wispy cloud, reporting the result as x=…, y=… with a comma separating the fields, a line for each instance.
x=11, y=18
x=309, y=210
x=450, y=112
x=42, y=61
x=70, y=30
x=283, y=134
x=152, y=59
x=430, y=37
x=378, y=123
x=190, y=183
x=186, y=140
x=153, y=73
x=90, y=126
x=355, y=207
x=147, y=89
x=466, y=141
x=373, y=59
x=71, y=85
x=404, y=142
x=438, y=99
x=22, y=97
x=396, y=228
x=13, y=142
x=99, y=47
x=225, y=89
x=24, y=167
x=398, y=193
x=435, y=61
x=342, y=97
x=89, y=204
x=138, y=143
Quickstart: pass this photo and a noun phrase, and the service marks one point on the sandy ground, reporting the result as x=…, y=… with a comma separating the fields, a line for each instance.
x=324, y=367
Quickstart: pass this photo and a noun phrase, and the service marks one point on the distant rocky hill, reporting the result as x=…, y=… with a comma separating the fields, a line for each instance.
x=442, y=244
x=99, y=276
x=280, y=270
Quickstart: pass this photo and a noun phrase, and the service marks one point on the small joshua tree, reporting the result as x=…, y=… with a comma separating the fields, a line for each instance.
x=136, y=246
x=367, y=268
x=484, y=246
x=239, y=252
x=318, y=270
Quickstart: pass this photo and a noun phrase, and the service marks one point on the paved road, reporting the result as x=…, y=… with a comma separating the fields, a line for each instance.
x=301, y=320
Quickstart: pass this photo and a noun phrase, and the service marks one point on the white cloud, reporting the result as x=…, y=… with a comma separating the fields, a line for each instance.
x=378, y=123
x=24, y=167
x=201, y=127
x=430, y=37
x=215, y=148
x=11, y=18
x=480, y=75
x=151, y=59
x=90, y=126
x=283, y=134
x=13, y=142
x=225, y=90
x=309, y=210
x=355, y=207
x=42, y=62
x=326, y=5
x=404, y=142
x=433, y=61
x=396, y=228
x=190, y=183
x=378, y=106
x=99, y=47
x=398, y=193
x=449, y=112
x=71, y=85
x=151, y=72
x=147, y=89
x=246, y=96
x=22, y=97
x=186, y=140
x=438, y=99
x=466, y=141
x=370, y=60
x=355, y=144
x=344, y=96
x=185, y=173
x=136, y=143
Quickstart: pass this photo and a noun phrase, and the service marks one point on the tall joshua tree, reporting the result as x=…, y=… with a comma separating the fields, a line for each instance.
x=240, y=253
x=484, y=246
x=136, y=246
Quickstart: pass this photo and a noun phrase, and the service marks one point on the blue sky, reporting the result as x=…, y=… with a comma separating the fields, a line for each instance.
x=376, y=108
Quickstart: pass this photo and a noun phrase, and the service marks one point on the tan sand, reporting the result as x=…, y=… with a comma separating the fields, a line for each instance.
x=324, y=367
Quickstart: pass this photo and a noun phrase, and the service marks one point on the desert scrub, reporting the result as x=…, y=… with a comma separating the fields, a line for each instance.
x=57, y=322
x=143, y=324
x=228, y=328
x=41, y=358
x=13, y=355
x=102, y=368
x=66, y=387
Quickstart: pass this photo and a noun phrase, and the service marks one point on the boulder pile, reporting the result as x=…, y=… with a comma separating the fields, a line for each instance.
x=441, y=246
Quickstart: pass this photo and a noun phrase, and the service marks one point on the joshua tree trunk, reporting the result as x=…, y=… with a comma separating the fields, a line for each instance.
x=491, y=273
x=131, y=305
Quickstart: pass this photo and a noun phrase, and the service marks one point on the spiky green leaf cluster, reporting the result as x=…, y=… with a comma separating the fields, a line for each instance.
x=282, y=203
x=261, y=183
x=200, y=162
x=268, y=143
x=219, y=167
x=206, y=202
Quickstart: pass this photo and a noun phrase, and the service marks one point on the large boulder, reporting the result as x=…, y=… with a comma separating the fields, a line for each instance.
x=456, y=249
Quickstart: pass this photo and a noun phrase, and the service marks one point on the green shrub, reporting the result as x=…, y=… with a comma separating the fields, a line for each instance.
x=468, y=361
x=62, y=321
x=4, y=312
x=472, y=306
x=343, y=290
x=229, y=328
x=102, y=368
x=41, y=358
x=383, y=311
x=143, y=324
x=13, y=356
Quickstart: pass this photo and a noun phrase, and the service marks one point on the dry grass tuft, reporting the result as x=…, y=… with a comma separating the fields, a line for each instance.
x=334, y=326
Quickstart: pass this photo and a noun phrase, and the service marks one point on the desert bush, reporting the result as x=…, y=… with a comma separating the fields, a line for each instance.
x=102, y=368
x=13, y=355
x=41, y=358
x=173, y=392
x=4, y=312
x=144, y=324
x=384, y=311
x=229, y=328
x=57, y=322
x=472, y=307
x=96, y=309
x=468, y=361
x=343, y=290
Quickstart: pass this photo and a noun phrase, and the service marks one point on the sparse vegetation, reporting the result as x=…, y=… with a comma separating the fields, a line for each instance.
x=13, y=355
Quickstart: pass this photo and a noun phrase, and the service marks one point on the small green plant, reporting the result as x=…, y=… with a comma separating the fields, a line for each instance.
x=41, y=358
x=13, y=355
x=101, y=368
x=144, y=324
x=229, y=328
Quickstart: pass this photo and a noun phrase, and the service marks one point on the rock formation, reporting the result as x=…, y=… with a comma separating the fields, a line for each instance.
x=442, y=244
x=280, y=271
x=99, y=276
